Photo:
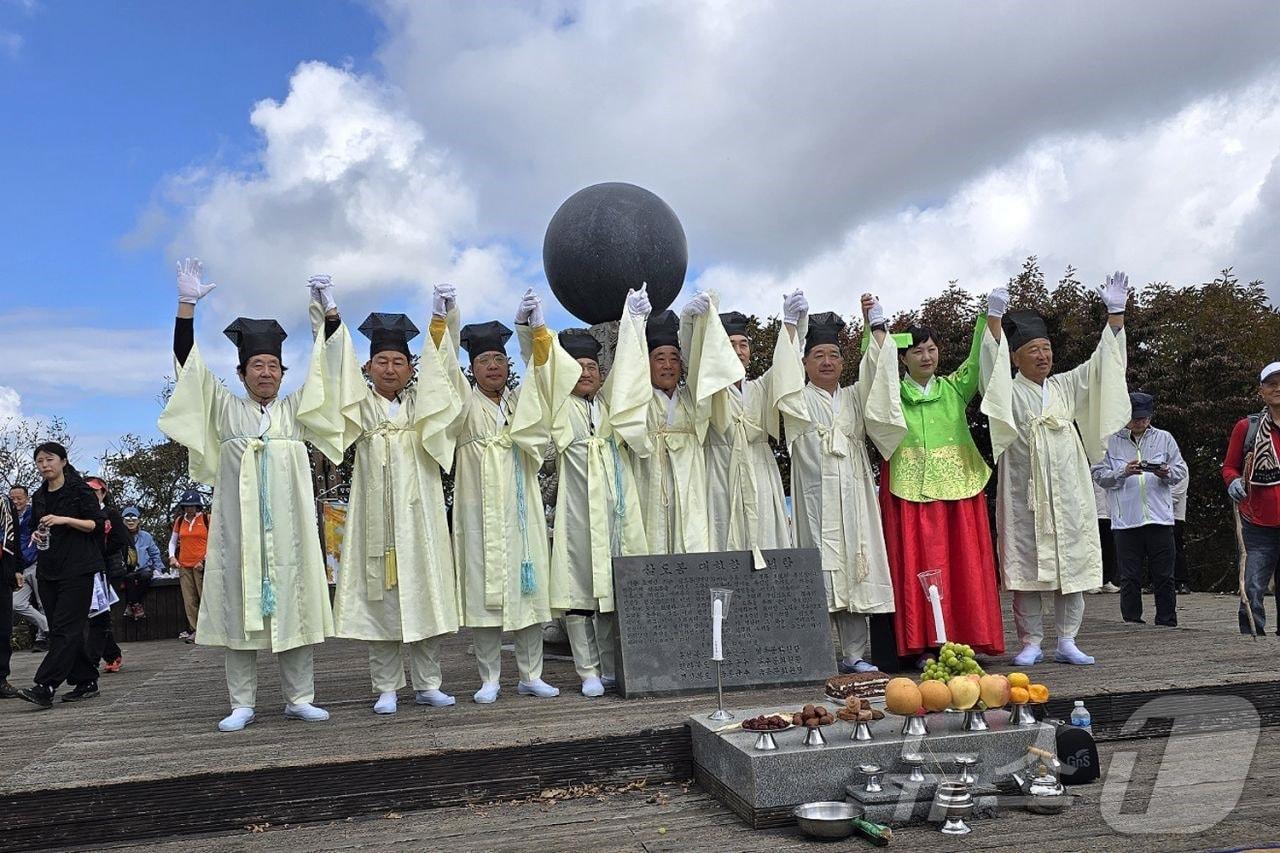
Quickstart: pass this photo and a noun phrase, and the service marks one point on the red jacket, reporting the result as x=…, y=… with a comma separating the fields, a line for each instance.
x=1262, y=507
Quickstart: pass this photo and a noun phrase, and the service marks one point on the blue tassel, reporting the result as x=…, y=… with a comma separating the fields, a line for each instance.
x=527, y=585
x=268, y=597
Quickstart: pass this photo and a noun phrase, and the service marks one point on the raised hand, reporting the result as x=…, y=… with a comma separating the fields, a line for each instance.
x=638, y=304
x=444, y=299
x=322, y=291
x=998, y=302
x=530, y=311
x=697, y=306
x=1115, y=292
x=872, y=313
x=191, y=286
x=794, y=306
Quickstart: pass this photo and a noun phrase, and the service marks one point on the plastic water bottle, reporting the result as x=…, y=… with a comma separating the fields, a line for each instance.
x=1080, y=717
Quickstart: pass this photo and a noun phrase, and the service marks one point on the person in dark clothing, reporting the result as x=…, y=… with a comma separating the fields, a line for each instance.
x=10, y=575
x=69, y=537
x=99, y=636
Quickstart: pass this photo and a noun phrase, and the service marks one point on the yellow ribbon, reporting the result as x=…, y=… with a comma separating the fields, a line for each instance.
x=496, y=474
x=256, y=545
x=381, y=542
x=1039, y=497
x=744, y=493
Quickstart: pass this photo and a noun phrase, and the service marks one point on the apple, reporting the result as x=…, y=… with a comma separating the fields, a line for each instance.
x=994, y=690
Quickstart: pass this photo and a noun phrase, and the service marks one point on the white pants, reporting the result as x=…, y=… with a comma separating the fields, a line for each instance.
x=1028, y=615
x=855, y=633
x=386, y=664
x=297, y=676
x=592, y=639
x=488, y=645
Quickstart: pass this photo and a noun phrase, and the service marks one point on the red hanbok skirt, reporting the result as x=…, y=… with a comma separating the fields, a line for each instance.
x=955, y=538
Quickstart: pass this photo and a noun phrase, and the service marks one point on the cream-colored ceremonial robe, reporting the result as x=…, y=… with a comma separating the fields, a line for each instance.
x=262, y=530
x=745, y=498
x=500, y=527
x=396, y=582
x=1046, y=518
x=667, y=433
x=833, y=491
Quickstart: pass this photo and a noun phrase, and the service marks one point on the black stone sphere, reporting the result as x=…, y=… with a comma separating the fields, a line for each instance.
x=608, y=239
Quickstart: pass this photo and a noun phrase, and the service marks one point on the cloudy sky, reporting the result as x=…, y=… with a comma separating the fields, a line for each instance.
x=394, y=144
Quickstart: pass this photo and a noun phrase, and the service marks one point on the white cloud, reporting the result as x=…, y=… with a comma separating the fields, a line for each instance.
x=10, y=404
x=773, y=129
x=1175, y=200
x=347, y=184
x=85, y=358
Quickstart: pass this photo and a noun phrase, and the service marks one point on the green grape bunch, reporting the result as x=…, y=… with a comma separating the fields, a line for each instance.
x=952, y=660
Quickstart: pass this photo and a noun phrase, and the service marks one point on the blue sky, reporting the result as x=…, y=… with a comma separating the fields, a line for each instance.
x=837, y=147
x=101, y=101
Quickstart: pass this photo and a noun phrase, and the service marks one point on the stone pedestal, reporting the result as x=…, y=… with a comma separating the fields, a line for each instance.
x=763, y=787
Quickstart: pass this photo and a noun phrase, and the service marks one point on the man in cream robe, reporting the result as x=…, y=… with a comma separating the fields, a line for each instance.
x=833, y=489
x=500, y=531
x=744, y=489
x=396, y=584
x=665, y=423
x=1045, y=512
x=597, y=515
x=264, y=577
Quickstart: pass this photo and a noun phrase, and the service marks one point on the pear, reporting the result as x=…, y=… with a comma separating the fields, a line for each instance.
x=965, y=692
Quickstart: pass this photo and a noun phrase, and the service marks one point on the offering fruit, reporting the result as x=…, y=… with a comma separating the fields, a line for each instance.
x=1019, y=679
x=965, y=692
x=994, y=691
x=954, y=659
x=1019, y=695
x=935, y=696
x=901, y=696
x=1038, y=693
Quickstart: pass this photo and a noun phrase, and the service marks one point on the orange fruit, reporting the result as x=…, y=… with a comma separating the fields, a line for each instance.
x=1038, y=693
x=1019, y=679
x=1019, y=695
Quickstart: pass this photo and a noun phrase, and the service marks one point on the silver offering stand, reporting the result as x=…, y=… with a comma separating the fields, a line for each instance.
x=719, y=714
x=914, y=726
x=974, y=720
x=765, y=742
x=1021, y=716
x=915, y=761
x=955, y=803
x=861, y=731
x=815, y=737
x=872, y=772
x=965, y=764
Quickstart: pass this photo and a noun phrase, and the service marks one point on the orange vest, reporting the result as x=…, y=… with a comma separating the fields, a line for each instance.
x=193, y=540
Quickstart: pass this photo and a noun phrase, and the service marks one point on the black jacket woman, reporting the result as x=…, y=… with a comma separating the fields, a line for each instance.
x=69, y=535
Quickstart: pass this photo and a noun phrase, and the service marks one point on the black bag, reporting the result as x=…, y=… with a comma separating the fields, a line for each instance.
x=116, y=569
x=1078, y=753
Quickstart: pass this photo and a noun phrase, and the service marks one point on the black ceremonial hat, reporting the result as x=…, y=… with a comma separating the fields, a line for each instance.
x=1023, y=327
x=580, y=343
x=824, y=328
x=255, y=337
x=388, y=332
x=480, y=338
x=663, y=330
x=734, y=322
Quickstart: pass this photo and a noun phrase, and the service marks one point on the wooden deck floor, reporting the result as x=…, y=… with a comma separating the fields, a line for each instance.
x=1193, y=816
x=156, y=719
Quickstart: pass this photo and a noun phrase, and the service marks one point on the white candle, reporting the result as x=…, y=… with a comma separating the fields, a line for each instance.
x=935, y=599
x=717, y=616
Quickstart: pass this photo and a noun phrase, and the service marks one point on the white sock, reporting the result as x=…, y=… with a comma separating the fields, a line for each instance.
x=236, y=720
x=592, y=687
x=386, y=703
x=487, y=694
x=435, y=698
x=538, y=688
x=306, y=711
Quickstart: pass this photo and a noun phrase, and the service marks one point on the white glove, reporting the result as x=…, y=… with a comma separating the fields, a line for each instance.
x=697, y=306
x=1115, y=293
x=1237, y=490
x=444, y=299
x=875, y=316
x=638, y=304
x=794, y=306
x=322, y=291
x=530, y=311
x=191, y=288
x=998, y=302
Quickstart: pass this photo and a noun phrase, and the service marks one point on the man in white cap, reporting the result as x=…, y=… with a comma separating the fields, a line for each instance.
x=1251, y=471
